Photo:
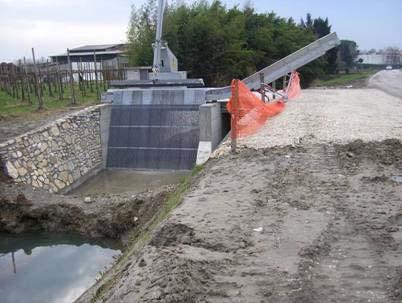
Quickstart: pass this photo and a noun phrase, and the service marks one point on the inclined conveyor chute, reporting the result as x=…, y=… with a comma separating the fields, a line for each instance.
x=282, y=67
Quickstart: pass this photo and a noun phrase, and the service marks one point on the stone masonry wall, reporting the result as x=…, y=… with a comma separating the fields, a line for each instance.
x=55, y=156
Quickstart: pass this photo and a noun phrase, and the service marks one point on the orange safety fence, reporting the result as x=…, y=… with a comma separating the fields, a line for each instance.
x=294, y=89
x=249, y=113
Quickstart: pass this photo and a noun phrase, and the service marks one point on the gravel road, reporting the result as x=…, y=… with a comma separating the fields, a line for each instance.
x=389, y=81
x=331, y=116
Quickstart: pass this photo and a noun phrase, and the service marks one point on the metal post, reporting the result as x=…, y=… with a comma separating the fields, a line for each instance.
x=13, y=259
x=158, y=38
x=235, y=116
x=262, y=90
x=284, y=83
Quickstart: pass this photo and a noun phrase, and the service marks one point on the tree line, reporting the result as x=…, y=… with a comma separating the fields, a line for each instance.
x=218, y=44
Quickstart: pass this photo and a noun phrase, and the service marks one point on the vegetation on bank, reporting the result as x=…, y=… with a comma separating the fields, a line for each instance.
x=355, y=79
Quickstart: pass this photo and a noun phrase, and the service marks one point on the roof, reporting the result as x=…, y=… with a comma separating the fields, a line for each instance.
x=81, y=54
x=99, y=47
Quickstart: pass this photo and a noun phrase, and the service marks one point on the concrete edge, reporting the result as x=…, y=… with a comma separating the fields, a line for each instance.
x=81, y=180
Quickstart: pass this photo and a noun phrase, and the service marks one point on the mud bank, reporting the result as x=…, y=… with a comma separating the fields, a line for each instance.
x=23, y=209
x=307, y=223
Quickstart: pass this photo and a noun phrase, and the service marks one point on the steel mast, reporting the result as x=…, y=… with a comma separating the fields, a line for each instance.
x=158, y=37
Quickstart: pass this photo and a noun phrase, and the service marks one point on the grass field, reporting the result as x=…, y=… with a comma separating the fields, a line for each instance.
x=10, y=106
x=355, y=78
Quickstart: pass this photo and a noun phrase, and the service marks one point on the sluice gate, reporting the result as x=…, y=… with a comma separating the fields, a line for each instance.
x=154, y=129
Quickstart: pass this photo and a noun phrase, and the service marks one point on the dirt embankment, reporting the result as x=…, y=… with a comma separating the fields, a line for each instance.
x=24, y=209
x=308, y=223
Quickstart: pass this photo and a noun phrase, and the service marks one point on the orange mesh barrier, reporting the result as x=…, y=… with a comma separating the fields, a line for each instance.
x=249, y=113
x=294, y=89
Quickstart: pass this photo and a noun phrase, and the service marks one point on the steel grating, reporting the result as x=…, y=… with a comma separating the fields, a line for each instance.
x=153, y=136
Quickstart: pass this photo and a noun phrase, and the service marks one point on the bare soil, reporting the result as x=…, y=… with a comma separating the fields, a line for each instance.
x=304, y=223
x=12, y=125
x=24, y=209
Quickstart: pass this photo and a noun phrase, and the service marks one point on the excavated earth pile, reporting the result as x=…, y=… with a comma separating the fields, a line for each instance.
x=303, y=223
x=23, y=209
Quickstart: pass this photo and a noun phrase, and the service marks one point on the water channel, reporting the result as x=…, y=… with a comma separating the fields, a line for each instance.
x=115, y=181
x=52, y=268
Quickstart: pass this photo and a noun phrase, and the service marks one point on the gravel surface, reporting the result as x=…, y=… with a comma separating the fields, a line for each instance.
x=389, y=81
x=330, y=116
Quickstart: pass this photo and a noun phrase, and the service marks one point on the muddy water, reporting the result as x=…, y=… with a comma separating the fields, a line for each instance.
x=50, y=268
x=119, y=181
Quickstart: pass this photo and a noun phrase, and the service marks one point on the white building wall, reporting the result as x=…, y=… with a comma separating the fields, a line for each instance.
x=372, y=58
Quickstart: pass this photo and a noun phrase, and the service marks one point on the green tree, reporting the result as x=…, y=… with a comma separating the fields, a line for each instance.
x=321, y=27
x=218, y=44
x=141, y=34
x=348, y=53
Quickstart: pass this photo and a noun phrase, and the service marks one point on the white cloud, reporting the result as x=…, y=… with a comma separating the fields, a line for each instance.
x=52, y=37
x=31, y=3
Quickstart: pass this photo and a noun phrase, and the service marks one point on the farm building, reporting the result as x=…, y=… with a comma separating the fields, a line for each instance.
x=112, y=55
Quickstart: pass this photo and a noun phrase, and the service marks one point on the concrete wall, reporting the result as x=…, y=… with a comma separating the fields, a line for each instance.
x=165, y=96
x=211, y=130
x=372, y=58
x=61, y=154
x=155, y=128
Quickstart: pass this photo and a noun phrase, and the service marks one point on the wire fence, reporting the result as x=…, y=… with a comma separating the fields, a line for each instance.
x=30, y=82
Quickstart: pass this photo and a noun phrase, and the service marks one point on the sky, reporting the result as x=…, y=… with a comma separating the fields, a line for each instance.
x=52, y=26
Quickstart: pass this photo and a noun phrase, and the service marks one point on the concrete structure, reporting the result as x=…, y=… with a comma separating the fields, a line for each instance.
x=213, y=128
x=61, y=154
x=154, y=128
x=384, y=58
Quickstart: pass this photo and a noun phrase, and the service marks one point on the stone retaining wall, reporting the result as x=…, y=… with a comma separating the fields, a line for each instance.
x=57, y=155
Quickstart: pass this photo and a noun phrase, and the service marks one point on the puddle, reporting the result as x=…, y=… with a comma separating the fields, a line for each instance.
x=120, y=181
x=397, y=179
x=50, y=268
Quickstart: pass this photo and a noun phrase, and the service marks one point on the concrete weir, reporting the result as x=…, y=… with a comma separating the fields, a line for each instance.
x=161, y=128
